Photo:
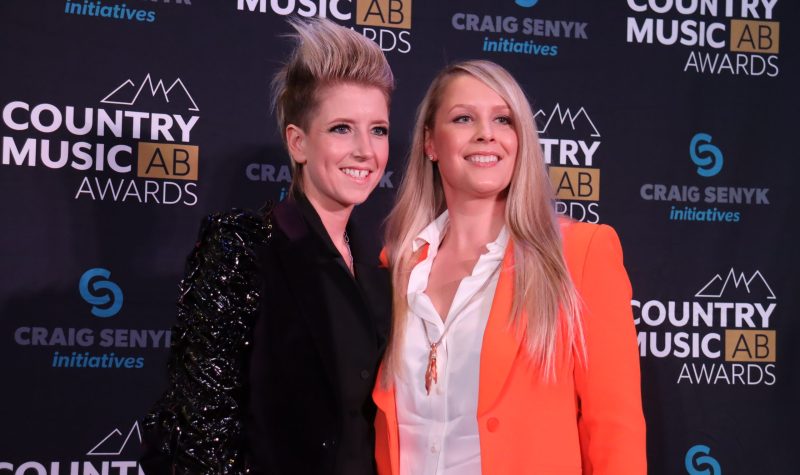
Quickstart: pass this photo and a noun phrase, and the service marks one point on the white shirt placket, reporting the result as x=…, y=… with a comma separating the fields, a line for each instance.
x=425, y=419
x=439, y=404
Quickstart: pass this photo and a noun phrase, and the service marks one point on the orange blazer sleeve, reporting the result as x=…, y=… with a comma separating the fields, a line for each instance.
x=610, y=420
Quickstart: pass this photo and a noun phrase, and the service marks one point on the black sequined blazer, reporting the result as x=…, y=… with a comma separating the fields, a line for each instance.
x=275, y=351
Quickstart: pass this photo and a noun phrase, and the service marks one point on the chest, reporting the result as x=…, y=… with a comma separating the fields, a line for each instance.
x=447, y=271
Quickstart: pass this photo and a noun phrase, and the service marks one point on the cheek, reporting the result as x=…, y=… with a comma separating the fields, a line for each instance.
x=510, y=170
x=449, y=171
x=382, y=152
x=330, y=152
x=444, y=142
x=511, y=143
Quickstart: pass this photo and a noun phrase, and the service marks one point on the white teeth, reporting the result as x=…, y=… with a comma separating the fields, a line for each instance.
x=355, y=173
x=483, y=158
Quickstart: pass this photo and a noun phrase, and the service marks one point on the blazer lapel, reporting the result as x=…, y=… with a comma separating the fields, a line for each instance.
x=500, y=345
x=386, y=401
x=302, y=259
x=377, y=294
x=372, y=283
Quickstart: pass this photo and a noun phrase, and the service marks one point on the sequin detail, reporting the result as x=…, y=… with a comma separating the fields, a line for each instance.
x=198, y=420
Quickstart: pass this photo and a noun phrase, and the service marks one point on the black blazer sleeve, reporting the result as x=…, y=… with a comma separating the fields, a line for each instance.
x=196, y=426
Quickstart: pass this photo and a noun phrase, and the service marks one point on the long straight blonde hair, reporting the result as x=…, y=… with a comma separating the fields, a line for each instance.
x=546, y=305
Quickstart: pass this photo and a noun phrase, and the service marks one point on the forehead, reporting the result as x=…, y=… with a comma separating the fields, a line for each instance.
x=468, y=91
x=338, y=95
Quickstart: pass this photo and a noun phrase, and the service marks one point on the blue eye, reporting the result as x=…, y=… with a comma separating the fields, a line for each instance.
x=340, y=129
x=462, y=119
x=380, y=131
x=504, y=119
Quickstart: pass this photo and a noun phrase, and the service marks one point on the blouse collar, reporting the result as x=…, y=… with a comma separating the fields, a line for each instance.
x=434, y=232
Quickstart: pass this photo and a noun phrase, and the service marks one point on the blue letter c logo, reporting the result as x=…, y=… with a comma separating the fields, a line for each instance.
x=710, y=162
x=702, y=465
x=94, y=280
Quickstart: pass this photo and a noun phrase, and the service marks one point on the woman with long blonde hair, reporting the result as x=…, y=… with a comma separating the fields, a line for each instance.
x=512, y=348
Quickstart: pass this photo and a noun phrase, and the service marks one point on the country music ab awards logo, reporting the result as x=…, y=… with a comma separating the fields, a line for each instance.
x=570, y=142
x=519, y=34
x=697, y=202
x=116, y=441
x=87, y=348
x=730, y=37
x=114, y=454
x=723, y=335
x=121, y=155
x=386, y=22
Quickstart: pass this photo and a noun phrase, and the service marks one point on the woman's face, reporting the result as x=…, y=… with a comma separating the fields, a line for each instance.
x=473, y=140
x=345, y=146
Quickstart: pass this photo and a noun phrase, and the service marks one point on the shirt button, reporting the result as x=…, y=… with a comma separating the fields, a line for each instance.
x=364, y=374
x=434, y=448
x=492, y=424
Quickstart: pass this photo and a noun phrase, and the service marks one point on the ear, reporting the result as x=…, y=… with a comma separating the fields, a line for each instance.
x=428, y=145
x=296, y=143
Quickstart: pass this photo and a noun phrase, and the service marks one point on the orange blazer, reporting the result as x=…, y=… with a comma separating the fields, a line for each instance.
x=589, y=421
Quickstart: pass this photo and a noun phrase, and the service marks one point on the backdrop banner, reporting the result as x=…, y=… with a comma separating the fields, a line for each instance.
x=125, y=122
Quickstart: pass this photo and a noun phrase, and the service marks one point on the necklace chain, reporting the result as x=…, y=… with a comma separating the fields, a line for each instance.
x=349, y=252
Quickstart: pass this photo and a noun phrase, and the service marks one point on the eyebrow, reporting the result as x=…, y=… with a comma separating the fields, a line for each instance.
x=469, y=106
x=351, y=121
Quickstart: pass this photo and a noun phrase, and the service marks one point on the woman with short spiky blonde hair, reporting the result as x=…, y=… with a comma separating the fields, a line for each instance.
x=326, y=55
x=512, y=348
x=283, y=316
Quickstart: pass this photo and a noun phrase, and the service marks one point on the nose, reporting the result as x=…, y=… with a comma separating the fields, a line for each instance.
x=484, y=131
x=363, y=146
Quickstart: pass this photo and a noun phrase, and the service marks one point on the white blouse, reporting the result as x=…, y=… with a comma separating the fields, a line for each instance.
x=439, y=432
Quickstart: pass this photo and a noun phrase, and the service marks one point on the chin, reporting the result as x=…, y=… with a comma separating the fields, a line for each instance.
x=488, y=190
x=354, y=199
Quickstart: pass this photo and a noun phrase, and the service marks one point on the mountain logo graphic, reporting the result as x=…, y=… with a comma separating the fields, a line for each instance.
x=125, y=91
x=755, y=284
x=567, y=116
x=113, y=443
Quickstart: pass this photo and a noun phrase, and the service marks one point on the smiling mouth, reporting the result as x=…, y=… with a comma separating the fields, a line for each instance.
x=356, y=174
x=483, y=160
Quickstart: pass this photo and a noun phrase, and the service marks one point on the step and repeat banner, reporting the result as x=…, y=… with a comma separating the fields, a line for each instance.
x=124, y=123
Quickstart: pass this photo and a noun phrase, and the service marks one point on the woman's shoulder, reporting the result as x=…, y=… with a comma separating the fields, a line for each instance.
x=585, y=241
x=577, y=235
x=227, y=233
x=244, y=222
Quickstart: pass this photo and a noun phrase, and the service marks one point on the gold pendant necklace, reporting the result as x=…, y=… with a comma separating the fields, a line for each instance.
x=349, y=251
x=431, y=373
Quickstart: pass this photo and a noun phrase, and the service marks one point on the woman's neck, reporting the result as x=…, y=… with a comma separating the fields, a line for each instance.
x=474, y=223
